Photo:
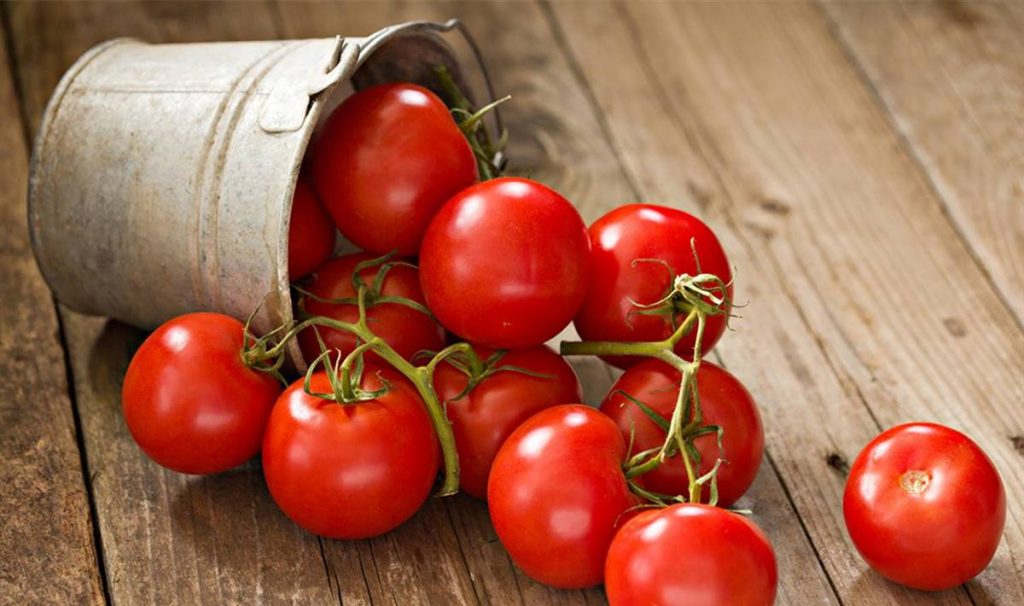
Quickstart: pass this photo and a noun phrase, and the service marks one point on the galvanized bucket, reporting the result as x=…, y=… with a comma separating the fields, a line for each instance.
x=162, y=175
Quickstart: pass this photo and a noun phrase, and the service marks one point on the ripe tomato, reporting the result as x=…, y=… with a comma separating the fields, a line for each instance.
x=622, y=272
x=190, y=402
x=405, y=329
x=924, y=506
x=557, y=494
x=503, y=263
x=724, y=402
x=350, y=471
x=690, y=554
x=483, y=418
x=311, y=232
x=387, y=158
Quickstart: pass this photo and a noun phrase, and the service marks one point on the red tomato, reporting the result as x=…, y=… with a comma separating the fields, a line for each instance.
x=690, y=554
x=924, y=506
x=724, y=402
x=350, y=471
x=190, y=402
x=557, y=494
x=311, y=232
x=503, y=263
x=638, y=233
x=386, y=160
x=484, y=418
x=405, y=329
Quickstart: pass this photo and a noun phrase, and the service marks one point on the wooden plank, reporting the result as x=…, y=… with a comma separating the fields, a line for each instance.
x=47, y=553
x=167, y=538
x=755, y=116
x=952, y=76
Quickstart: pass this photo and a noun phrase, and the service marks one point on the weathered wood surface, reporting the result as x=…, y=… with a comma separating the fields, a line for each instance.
x=861, y=163
x=47, y=553
x=952, y=77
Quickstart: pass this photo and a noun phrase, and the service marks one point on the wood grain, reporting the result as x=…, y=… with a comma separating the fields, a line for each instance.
x=47, y=553
x=952, y=76
x=755, y=116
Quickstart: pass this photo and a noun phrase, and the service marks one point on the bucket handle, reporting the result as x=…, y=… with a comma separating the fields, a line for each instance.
x=348, y=56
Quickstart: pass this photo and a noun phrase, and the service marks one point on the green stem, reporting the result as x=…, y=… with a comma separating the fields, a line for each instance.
x=686, y=415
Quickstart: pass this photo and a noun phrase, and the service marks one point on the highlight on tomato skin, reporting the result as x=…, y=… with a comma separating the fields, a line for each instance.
x=691, y=554
x=925, y=506
x=189, y=400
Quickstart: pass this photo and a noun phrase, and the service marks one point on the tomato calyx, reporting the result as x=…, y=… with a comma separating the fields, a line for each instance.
x=345, y=377
x=487, y=149
x=703, y=291
x=260, y=353
x=477, y=370
x=373, y=292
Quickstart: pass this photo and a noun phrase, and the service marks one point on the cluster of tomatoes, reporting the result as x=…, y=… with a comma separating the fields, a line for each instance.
x=427, y=355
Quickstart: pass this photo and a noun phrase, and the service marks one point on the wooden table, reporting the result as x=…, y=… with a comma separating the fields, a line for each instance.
x=862, y=164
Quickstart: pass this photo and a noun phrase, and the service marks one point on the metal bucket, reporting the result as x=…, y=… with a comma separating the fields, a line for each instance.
x=162, y=175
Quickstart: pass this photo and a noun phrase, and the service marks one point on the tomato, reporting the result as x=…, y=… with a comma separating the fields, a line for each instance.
x=311, y=233
x=625, y=241
x=385, y=161
x=483, y=418
x=350, y=471
x=190, y=402
x=557, y=493
x=724, y=402
x=924, y=506
x=405, y=329
x=503, y=263
x=690, y=554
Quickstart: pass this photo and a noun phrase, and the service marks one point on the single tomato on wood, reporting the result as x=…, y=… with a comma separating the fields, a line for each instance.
x=690, y=554
x=504, y=263
x=311, y=233
x=189, y=400
x=724, y=402
x=924, y=506
x=385, y=161
x=557, y=494
x=515, y=385
x=405, y=329
x=354, y=470
x=637, y=250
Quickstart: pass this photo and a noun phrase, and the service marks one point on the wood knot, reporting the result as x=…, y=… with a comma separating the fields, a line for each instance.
x=961, y=14
x=955, y=327
x=1018, y=444
x=773, y=206
x=837, y=462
